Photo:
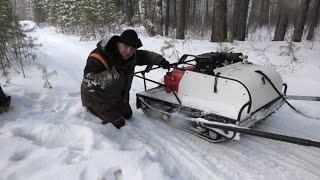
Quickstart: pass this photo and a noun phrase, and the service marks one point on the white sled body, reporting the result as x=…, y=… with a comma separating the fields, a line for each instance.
x=236, y=85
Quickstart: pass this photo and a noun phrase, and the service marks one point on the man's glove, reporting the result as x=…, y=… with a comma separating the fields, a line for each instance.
x=118, y=123
x=165, y=64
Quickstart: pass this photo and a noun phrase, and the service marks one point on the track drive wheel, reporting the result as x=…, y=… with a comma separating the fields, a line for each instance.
x=214, y=135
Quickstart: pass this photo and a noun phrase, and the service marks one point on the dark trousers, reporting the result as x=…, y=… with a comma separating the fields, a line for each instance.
x=4, y=101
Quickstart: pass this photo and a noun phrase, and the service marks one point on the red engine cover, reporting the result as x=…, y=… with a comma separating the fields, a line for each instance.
x=172, y=79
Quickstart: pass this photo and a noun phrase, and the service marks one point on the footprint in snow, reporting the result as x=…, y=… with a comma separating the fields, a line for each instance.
x=19, y=155
x=75, y=94
x=113, y=173
x=86, y=115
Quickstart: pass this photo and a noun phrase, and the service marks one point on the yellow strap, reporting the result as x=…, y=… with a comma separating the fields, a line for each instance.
x=99, y=58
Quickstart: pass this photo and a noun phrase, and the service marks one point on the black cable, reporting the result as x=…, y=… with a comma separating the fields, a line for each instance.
x=285, y=100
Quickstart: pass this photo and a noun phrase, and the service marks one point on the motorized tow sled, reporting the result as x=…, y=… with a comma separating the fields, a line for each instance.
x=216, y=96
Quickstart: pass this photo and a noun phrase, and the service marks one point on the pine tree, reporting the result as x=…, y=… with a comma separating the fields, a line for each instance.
x=15, y=48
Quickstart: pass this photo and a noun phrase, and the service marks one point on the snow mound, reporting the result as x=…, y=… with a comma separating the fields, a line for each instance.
x=27, y=26
x=57, y=135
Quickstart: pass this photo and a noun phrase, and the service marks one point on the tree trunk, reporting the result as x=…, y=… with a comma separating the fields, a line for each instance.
x=167, y=17
x=147, y=10
x=261, y=12
x=282, y=22
x=181, y=19
x=293, y=13
x=159, y=17
x=274, y=12
x=266, y=12
x=154, y=13
x=234, y=18
x=298, y=28
x=129, y=11
x=204, y=17
x=242, y=20
x=264, y=8
x=142, y=10
x=175, y=17
x=187, y=9
x=194, y=13
x=314, y=19
x=253, y=16
x=219, y=27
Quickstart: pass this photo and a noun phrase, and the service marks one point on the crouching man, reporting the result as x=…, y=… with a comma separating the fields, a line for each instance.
x=108, y=76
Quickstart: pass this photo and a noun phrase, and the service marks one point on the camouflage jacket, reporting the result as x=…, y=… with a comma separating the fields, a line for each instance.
x=108, y=78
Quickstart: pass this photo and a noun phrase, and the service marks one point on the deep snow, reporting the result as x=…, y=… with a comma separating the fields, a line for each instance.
x=47, y=134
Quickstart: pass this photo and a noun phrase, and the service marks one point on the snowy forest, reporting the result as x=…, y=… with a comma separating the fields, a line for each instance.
x=224, y=19
x=217, y=20
x=219, y=89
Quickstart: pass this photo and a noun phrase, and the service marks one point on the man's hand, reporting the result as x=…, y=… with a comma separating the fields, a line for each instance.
x=118, y=123
x=165, y=64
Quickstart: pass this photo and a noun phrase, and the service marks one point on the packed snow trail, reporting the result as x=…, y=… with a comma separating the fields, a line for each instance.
x=49, y=135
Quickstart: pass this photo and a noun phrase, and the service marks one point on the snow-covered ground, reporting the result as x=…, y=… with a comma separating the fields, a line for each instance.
x=47, y=134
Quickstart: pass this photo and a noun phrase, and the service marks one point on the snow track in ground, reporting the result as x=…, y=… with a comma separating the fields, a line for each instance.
x=49, y=135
